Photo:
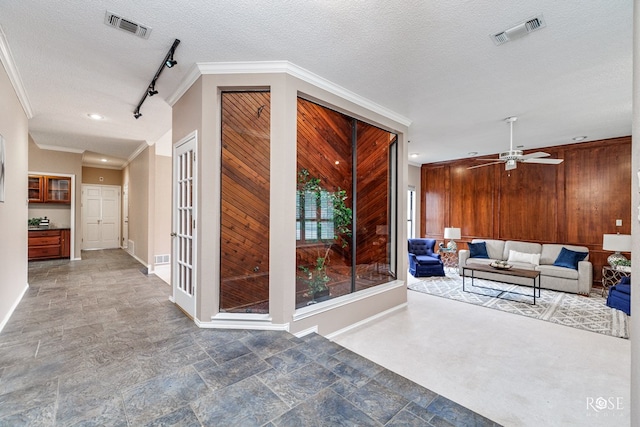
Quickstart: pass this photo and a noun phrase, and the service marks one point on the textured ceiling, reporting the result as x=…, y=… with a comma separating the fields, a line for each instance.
x=430, y=61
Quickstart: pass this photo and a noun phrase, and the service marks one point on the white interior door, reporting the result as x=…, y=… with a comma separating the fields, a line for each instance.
x=100, y=216
x=184, y=222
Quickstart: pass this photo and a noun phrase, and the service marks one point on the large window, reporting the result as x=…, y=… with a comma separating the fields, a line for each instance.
x=346, y=209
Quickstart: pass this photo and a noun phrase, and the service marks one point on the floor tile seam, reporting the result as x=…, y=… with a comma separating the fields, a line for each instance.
x=391, y=392
x=256, y=376
x=29, y=408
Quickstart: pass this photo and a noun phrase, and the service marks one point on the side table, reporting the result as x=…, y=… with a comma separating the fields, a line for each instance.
x=449, y=259
x=610, y=277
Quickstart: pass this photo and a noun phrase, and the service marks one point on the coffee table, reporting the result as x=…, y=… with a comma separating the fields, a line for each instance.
x=517, y=272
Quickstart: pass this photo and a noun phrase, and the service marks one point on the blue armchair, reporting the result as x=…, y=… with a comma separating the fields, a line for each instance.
x=620, y=296
x=423, y=262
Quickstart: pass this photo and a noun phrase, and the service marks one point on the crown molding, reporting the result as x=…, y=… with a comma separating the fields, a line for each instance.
x=6, y=57
x=59, y=148
x=274, y=67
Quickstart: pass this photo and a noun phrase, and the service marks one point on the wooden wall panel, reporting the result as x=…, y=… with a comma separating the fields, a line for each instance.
x=472, y=200
x=244, y=263
x=435, y=194
x=575, y=202
x=373, y=195
x=528, y=203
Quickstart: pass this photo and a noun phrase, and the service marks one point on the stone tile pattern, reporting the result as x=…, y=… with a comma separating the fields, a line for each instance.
x=97, y=343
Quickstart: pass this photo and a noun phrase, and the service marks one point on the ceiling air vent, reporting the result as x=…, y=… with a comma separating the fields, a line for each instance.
x=115, y=21
x=521, y=29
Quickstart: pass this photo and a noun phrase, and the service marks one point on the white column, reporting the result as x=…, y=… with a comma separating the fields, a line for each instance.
x=635, y=223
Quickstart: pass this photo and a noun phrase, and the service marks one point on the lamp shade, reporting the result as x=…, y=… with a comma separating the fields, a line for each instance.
x=451, y=233
x=616, y=242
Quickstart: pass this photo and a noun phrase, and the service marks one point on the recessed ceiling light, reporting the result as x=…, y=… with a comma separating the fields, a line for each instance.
x=414, y=155
x=337, y=162
x=579, y=138
x=103, y=160
x=95, y=116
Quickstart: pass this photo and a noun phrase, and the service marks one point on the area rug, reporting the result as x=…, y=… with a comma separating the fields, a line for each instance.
x=577, y=311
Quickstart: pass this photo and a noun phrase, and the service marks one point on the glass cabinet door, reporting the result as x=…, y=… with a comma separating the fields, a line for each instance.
x=58, y=190
x=36, y=195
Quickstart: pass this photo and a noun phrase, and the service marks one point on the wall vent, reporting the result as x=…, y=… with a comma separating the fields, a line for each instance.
x=521, y=29
x=162, y=259
x=116, y=21
x=130, y=247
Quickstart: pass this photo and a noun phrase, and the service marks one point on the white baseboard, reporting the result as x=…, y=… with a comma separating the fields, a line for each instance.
x=163, y=271
x=13, y=308
x=332, y=335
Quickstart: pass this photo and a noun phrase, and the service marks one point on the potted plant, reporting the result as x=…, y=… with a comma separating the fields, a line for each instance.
x=315, y=277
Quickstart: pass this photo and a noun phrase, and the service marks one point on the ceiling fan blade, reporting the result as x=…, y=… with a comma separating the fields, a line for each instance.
x=486, y=164
x=535, y=155
x=544, y=161
x=488, y=160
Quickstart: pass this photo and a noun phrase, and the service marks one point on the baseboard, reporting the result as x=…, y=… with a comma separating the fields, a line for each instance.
x=13, y=308
x=377, y=316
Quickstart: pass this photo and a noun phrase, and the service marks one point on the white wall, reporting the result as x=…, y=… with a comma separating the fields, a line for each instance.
x=13, y=211
x=635, y=223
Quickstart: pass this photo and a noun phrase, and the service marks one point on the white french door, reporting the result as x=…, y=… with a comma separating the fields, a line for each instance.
x=100, y=216
x=184, y=217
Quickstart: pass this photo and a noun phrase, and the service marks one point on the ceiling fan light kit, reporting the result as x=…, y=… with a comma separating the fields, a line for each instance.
x=512, y=157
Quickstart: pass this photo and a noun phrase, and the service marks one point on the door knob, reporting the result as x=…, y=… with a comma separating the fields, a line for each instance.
x=173, y=234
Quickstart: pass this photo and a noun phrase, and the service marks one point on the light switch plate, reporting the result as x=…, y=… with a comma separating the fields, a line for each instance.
x=618, y=223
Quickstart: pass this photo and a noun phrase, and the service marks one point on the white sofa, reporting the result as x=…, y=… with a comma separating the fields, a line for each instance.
x=551, y=277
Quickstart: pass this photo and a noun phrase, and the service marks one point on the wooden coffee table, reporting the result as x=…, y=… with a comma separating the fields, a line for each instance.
x=506, y=273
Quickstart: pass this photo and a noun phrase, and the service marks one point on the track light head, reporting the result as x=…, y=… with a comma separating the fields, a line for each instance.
x=152, y=90
x=170, y=62
x=137, y=114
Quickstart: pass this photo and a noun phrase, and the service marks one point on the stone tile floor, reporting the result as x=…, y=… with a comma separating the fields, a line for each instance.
x=97, y=343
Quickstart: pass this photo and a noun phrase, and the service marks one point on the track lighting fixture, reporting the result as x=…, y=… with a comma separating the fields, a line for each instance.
x=168, y=62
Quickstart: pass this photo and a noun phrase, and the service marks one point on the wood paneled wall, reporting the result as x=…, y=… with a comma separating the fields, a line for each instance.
x=575, y=202
x=373, y=195
x=244, y=246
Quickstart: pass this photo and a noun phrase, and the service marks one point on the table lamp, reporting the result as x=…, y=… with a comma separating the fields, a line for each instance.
x=452, y=234
x=617, y=243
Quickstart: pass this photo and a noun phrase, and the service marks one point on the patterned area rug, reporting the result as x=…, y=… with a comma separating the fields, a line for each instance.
x=577, y=311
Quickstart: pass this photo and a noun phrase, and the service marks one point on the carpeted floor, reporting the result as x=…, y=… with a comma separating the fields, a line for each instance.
x=577, y=311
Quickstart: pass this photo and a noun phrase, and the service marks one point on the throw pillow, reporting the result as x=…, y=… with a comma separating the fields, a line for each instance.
x=478, y=250
x=515, y=256
x=569, y=259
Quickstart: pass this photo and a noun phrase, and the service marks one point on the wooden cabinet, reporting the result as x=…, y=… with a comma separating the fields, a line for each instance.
x=36, y=189
x=49, y=189
x=49, y=244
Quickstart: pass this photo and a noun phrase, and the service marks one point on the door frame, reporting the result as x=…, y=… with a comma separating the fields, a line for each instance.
x=72, y=207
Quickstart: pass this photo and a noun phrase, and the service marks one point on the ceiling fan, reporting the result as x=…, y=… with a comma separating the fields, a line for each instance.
x=512, y=157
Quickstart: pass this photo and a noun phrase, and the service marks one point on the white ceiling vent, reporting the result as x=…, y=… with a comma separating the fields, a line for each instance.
x=521, y=29
x=113, y=20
